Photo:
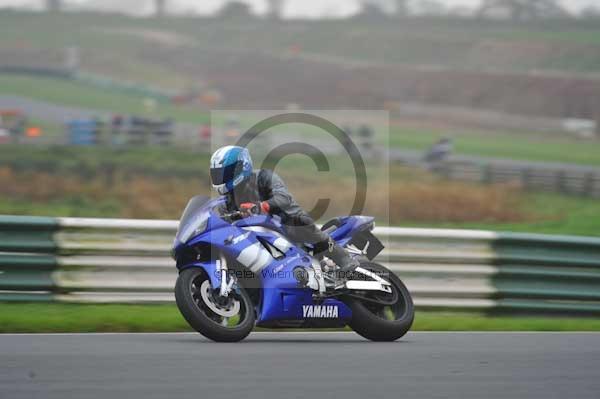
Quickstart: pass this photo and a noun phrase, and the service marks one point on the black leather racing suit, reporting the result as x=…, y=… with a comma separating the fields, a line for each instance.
x=265, y=185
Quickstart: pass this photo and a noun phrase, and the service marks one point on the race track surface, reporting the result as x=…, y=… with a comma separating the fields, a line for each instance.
x=300, y=365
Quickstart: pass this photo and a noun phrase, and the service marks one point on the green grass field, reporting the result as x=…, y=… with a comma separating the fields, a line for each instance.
x=546, y=213
x=523, y=146
x=452, y=42
x=552, y=214
x=65, y=92
x=38, y=318
x=556, y=214
x=561, y=215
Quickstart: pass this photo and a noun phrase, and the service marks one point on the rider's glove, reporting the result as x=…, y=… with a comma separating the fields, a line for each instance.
x=249, y=207
x=255, y=207
x=265, y=207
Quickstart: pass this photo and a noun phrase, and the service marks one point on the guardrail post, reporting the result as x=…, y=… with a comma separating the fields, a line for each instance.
x=526, y=178
x=561, y=185
x=589, y=184
x=27, y=258
x=487, y=174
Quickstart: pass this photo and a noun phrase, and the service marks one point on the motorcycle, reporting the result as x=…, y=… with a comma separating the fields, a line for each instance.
x=237, y=271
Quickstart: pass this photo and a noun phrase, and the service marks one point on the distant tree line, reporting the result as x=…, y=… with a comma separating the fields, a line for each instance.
x=522, y=9
x=53, y=5
x=160, y=6
x=511, y=9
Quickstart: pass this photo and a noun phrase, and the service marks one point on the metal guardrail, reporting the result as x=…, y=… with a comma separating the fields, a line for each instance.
x=117, y=260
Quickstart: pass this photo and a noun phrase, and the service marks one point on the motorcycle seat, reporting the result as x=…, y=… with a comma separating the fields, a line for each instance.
x=331, y=225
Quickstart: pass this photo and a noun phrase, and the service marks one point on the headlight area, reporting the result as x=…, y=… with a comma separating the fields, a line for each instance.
x=185, y=255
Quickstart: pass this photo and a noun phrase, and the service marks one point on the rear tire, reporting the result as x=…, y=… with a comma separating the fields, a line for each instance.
x=201, y=318
x=367, y=319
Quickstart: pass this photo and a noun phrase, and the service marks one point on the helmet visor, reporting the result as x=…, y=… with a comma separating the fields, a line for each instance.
x=225, y=174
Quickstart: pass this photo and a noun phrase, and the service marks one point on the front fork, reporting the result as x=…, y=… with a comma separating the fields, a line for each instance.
x=227, y=280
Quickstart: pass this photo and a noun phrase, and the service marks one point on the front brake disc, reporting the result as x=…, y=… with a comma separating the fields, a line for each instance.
x=229, y=310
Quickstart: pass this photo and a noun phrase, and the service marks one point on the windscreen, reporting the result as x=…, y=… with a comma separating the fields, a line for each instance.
x=194, y=204
x=193, y=213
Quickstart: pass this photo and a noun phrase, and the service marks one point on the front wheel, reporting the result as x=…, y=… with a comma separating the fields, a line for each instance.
x=380, y=316
x=228, y=319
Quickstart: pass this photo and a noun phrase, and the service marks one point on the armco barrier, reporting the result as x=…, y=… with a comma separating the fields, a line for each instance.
x=117, y=260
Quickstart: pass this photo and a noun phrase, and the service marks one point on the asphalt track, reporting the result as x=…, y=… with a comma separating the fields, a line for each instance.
x=300, y=365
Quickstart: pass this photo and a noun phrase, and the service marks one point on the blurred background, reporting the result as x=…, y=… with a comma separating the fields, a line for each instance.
x=494, y=104
x=106, y=110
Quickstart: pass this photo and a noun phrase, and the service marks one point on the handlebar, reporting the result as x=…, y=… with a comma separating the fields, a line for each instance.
x=236, y=215
x=232, y=214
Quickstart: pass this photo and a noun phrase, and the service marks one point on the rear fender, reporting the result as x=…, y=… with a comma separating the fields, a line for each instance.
x=349, y=225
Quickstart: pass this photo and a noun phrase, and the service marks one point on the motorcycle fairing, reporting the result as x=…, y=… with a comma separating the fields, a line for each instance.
x=247, y=241
x=281, y=298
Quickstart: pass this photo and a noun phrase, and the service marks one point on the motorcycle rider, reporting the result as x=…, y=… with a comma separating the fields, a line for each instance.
x=263, y=191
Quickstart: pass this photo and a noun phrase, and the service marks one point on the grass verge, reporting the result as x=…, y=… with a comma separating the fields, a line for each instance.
x=554, y=214
x=536, y=147
x=48, y=318
x=65, y=92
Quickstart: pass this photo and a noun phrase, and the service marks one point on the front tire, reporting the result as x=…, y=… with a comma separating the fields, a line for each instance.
x=195, y=300
x=383, y=322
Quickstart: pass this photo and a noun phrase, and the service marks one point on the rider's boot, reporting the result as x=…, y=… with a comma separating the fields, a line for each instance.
x=341, y=257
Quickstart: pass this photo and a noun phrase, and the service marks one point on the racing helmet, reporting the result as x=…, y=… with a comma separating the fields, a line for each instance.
x=229, y=167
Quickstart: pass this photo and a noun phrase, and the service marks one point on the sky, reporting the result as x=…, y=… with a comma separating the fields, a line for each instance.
x=294, y=8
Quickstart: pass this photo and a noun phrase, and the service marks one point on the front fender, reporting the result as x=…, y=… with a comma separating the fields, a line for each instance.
x=211, y=271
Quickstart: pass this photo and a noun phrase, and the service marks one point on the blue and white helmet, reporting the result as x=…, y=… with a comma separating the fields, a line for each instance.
x=229, y=166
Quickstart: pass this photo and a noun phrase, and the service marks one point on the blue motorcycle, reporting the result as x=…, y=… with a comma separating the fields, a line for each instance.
x=236, y=272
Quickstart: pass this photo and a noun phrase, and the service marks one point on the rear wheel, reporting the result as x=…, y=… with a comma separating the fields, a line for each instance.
x=382, y=316
x=221, y=319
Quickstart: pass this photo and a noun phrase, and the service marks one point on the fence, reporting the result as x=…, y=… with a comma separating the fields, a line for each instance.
x=559, y=178
x=564, y=178
x=115, y=260
x=490, y=119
